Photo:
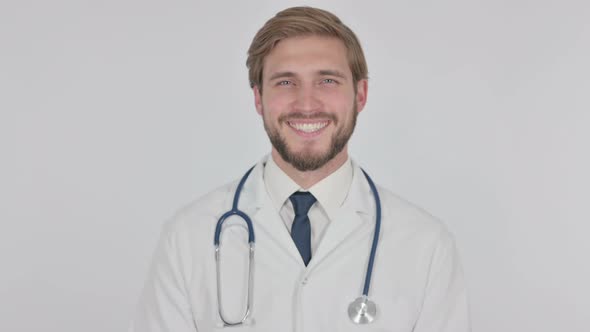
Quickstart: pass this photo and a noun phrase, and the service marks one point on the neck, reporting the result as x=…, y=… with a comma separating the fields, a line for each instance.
x=307, y=179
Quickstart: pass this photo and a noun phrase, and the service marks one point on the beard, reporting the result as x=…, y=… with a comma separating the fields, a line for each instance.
x=307, y=160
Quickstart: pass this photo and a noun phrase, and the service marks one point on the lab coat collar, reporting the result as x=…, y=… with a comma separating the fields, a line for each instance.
x=358, y=198
x=254, y=195
x=346, y=219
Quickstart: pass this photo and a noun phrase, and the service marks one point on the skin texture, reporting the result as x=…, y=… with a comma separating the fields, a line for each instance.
x=307, y=80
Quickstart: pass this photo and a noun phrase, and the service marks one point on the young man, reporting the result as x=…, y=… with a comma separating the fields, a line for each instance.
x=313, y=214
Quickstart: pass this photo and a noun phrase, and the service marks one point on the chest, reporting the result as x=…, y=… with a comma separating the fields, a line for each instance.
x=288, y=296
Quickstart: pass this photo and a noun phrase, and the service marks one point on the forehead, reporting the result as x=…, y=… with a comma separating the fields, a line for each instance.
x=307, y=54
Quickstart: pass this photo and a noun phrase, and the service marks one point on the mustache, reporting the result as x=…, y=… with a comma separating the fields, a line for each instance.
x=307, y=116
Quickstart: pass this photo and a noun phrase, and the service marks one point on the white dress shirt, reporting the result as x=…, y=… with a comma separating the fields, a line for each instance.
x=330, y=193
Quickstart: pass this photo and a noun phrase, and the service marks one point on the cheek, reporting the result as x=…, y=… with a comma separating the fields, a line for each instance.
x=275, y=104
x=339, y=103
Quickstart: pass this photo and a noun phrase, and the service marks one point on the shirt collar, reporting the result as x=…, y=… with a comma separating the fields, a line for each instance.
x=330, y=191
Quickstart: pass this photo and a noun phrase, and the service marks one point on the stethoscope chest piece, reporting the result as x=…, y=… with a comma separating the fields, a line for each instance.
x=362, y=310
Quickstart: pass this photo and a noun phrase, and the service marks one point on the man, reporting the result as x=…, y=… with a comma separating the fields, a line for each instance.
x=312, y=210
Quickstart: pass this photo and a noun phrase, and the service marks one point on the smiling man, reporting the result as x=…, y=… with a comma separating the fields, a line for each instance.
x=309, y=105
x=309, y=242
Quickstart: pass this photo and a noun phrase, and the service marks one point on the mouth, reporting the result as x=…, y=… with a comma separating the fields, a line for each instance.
x=308, y=127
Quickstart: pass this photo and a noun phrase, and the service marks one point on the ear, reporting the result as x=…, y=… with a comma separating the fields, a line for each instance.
x=362, y=88
x=257, y=99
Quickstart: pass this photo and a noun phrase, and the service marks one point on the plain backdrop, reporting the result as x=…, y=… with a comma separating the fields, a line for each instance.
x=115, y=113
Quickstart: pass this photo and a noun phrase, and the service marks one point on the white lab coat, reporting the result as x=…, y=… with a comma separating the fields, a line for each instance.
x=417, y=280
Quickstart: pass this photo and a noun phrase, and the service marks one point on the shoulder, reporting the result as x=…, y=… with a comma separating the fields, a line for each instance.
x=410, y=219
x=399, y=215
x=202, y=214
x=207, y=207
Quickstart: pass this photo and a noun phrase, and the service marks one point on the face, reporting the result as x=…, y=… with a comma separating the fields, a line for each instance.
x=308, y=101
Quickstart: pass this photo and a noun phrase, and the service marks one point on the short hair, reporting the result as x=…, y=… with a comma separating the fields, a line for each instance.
x=303, y=21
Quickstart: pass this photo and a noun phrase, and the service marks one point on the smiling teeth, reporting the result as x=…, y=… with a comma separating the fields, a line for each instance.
x=308, y=127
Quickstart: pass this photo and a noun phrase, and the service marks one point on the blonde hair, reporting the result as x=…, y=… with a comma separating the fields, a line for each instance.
x=303, y=21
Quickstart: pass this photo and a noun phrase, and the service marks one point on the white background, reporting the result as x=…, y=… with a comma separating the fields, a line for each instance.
x=115, y=113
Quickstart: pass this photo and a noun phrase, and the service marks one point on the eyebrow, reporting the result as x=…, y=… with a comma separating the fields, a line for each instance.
x=330, y=72
x=323, y=72
x=282, y=74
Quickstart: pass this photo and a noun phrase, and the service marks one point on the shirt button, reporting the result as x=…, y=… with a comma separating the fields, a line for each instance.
x=304, y=281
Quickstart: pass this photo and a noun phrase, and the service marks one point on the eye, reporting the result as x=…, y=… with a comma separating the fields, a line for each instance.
x=329, y=81
x=284, y=83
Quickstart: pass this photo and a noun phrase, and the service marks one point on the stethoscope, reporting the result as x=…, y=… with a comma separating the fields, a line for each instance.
x=361, y=311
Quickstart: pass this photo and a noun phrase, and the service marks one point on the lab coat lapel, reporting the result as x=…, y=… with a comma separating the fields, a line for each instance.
x=268, y=224
x=349, y=220
x=344, y=225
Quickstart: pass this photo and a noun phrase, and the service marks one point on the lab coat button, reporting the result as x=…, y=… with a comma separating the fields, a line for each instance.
x=304, y=281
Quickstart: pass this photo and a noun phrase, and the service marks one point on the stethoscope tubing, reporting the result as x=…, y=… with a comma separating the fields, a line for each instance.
x=236, y=212
x=375, y=235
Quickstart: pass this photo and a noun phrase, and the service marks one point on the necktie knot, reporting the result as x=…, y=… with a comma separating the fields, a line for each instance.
x=302, y=202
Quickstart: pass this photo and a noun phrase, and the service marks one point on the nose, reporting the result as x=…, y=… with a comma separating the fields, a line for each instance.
x=306, y=100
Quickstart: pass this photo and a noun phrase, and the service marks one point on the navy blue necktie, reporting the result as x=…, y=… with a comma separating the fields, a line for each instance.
x=301, y=228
